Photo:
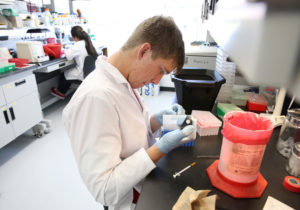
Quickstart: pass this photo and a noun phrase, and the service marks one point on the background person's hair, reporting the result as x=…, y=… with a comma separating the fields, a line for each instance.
x=78, y=32
x=163, y=35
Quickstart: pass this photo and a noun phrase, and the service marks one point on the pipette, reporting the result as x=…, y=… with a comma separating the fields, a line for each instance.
x=208, y=156
x=183, y=170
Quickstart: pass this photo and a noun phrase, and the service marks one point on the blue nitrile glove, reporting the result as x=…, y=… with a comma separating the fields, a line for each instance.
x=175, y=109
x=173, y=139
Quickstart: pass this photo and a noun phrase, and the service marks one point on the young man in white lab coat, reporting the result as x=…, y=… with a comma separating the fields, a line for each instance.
x=111, y=135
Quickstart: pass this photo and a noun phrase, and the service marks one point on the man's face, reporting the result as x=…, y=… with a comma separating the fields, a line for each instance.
x=150, y=71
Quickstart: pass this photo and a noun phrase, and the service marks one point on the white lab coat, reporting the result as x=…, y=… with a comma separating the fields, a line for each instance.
x=77, y=52
x=109, y=133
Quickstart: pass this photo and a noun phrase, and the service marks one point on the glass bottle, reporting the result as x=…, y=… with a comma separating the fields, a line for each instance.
x=293, y=166
x=289, y=133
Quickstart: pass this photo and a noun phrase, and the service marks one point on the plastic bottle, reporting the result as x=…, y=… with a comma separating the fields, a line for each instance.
x=59, y=19
x=71, y=19
x=68, y=17
x=36, y=20
x=41, y=19
x=54, y=19
x=81, y=20
x=47, y=17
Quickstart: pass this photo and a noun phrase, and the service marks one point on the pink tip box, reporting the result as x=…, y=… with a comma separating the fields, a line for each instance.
x=207, y=123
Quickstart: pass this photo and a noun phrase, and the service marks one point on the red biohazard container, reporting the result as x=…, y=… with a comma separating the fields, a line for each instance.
x=245, y=135
x=52, y=50
x=20, y=62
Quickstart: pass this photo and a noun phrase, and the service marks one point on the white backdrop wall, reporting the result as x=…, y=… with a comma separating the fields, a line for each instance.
x=112, y=21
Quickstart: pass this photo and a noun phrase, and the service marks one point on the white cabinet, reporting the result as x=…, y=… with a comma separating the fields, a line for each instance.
x=7, y=133
x=2, y=99
x=20, y=106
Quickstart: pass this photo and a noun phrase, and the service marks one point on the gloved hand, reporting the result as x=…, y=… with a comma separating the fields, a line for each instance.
x=175, y=109
x=173, y=139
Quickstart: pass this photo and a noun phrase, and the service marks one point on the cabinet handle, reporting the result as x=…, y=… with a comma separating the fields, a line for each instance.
x=11, y=110
x=20, y=83
x=62, y=64
x=6, y=117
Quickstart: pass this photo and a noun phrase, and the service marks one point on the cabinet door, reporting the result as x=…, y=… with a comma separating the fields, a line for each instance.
x=25, y=112
x=6, y=129
x=2, y=99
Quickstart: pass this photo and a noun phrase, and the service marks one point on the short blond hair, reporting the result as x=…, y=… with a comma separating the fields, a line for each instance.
x=163, y=35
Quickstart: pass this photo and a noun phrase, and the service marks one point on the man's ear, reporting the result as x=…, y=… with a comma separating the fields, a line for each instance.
x=143, y=49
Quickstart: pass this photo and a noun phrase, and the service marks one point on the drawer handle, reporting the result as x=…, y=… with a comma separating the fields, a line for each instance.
x=11, y=110
x=6, y=117
x=62, y=64
x=20, y=83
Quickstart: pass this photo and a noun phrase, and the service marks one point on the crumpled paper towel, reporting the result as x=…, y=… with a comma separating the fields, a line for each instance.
x=191, y=199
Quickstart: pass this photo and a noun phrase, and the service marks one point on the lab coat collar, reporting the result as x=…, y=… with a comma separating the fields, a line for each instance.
x=116, y=74
x=119, y=78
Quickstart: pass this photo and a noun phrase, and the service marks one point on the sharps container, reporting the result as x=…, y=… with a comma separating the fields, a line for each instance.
x=245, y=135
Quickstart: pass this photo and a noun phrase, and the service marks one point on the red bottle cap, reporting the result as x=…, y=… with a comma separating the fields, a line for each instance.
x=292, y=184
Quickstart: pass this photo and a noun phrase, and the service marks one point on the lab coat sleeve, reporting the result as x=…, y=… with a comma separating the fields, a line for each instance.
x=75, y=50
x=152, y=135
x=93, y=129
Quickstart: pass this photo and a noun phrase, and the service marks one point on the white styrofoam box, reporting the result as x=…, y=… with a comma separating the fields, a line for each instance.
x=222, y=53
x=223, y=60
x=226, y=67
x=227, y=70
x=207, y=123
x=150, y=90
x=201, y=56
x=201, y=50
x=200, y=61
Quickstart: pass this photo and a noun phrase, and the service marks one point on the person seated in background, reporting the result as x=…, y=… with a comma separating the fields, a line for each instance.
x=83, y=47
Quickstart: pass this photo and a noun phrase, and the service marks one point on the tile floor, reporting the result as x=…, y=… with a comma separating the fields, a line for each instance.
x=41, y=174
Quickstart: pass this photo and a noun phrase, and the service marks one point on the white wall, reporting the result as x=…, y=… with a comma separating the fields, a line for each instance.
x=62, y=6
x=113, y=21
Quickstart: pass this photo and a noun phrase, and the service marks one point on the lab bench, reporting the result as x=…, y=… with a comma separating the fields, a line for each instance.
x=161, y=191
x=47, y=75
x=61, y=64
x=23, y=95
x=19, y=103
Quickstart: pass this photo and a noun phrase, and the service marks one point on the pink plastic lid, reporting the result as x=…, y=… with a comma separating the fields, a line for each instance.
x=247, y=128
x=206, y=119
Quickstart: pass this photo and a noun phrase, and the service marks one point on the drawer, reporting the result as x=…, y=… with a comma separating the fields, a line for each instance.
x=18, y=88
x=2, y=98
